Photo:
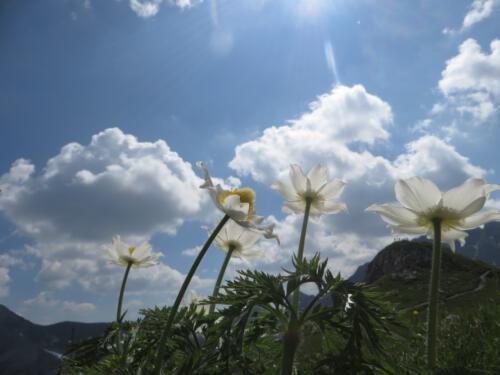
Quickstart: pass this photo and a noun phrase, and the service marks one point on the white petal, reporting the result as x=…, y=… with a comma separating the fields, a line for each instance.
x=473, y=207
x=142, y=251
x=298, y=178
x=333, y=207
x=395, y=215
x=208, y=181
x=294, y=207
x=489, y=188
x=234, y=208
x=409, y=229
x=479, y=219
x=460, y=197
x=249, y=238
x=318, y=177
x=451, y=235
x=332, y=189
x=418, y=194
x=286, y=191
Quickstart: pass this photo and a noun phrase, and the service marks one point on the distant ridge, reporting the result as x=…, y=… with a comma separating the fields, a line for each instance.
x=31, y=349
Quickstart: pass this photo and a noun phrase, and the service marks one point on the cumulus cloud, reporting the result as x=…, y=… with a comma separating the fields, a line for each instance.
x=471, y=80
x=339, y=131
x=478, y=11
x=344, y=116
x=47, y=304
x=116, y=184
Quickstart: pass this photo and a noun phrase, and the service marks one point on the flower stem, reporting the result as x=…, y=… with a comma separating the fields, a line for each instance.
x=300, y=252
x=291, y=341
x=120, y=303
x=221, y=276
x=182, y=291
x=432, y=316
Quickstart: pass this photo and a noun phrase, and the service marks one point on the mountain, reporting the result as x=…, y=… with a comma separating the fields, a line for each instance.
x=401, y=272
x=481, y=244
x=31, y=349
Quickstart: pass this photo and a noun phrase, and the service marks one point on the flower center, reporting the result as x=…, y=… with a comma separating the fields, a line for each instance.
x=131, y=250
x=235, y=245
x=448, y=216
x=246, y=195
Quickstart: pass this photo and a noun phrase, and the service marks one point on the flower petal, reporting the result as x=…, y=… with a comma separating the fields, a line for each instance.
x=395, y=215
x=299, y=180
x=286, y=191
x=461, y=196
x=409, y=229
x=418, y=194
x=332, y=189
x=333, y=207
x=208, y=181
x=479, y=219
x=294, y=207
x=318, y=177
x=489, y=188
x=473, y=207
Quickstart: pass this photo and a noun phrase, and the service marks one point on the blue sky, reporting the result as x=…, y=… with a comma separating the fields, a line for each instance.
x=105, y=106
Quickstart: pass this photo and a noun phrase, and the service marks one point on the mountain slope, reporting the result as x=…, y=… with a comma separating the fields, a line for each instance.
x=401, y=271
x=31, y=349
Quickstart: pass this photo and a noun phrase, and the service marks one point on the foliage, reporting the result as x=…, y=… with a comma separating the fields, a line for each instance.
x=245, y=336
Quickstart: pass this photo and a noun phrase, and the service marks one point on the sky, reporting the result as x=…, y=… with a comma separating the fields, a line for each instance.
x=106, y=106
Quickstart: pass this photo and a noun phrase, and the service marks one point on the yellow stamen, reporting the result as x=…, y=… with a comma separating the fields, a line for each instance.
x=246, y=195
x=131, y=250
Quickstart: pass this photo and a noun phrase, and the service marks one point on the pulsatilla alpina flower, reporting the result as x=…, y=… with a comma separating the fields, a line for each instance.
x=137, y=256
x=423, y=203
x=237, y=239
x=238, y=204
x=314, y=188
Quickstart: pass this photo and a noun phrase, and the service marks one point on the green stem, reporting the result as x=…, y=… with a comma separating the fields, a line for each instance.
x=300, y=252
x=221, y=275
x=182, y=291
x=432, y=316
x=120, y=302
x=291, y=341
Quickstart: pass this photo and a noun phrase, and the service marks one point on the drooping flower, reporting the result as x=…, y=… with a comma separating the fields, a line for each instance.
x=422, y=203
x=137, y=256
x=238, y=204
x=314, y=187
x=237, y=239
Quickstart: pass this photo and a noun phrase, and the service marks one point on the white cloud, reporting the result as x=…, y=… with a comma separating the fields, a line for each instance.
x=145, y=9
x=87, y=193
x=478, y=11
x=47, y=305
x=4, y=281
x=149, y=8
x=344, y=116
x=339, y=131
x=471, y=80
x=121, y=185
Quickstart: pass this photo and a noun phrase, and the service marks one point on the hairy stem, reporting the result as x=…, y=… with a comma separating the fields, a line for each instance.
x=291, y=341
x=182, y=291
x=120, y=303
x=221, y=276
x=300, y=251
x=432, y=315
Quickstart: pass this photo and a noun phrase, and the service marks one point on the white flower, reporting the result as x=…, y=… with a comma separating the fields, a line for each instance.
x=139, y=256
x=240, y=239
x=238, y=204
x=195, y=299
x=314, y=187
x=422, y=203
